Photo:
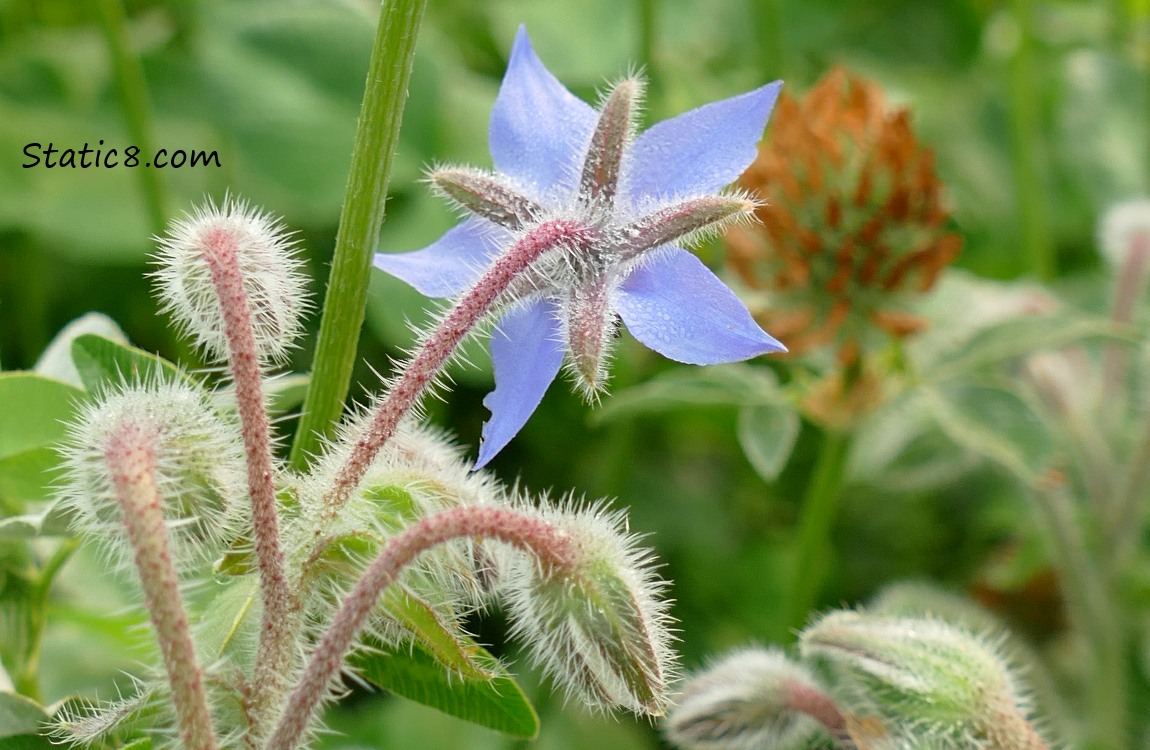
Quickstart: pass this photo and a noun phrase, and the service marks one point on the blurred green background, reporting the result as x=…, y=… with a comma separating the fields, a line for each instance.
x=1044, y=100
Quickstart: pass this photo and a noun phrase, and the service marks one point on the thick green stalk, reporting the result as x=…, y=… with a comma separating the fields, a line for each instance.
x=346, y=300
x=814, y=542
x=648, y=11
x=1025, y=145
x=27, y=677
x=769, y=37
x=134, y=102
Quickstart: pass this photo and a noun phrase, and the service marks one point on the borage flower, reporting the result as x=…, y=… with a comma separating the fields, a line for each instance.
x=636, y=197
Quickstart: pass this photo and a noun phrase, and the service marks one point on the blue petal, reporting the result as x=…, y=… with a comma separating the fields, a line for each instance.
x=450, y=264
x=526, y=352
x=699, y=151
x=676, y=306
x=539, y=129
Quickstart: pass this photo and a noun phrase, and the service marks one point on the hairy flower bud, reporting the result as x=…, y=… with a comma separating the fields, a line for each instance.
x=916, y=680
x=595, y=623
x=219, y=254
x=1125, y=231
x=753, y=698
x=199, y=467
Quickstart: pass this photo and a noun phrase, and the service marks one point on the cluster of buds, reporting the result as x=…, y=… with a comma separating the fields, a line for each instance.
x=390, y=538
x=864, y=682
x=852, y=219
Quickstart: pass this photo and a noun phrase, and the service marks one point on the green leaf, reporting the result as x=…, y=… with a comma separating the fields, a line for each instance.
x=102, y=362
x=767, y=435
x=20, y=715
x=438, y=638
x=1026, y=334
x=52, y=521
x=730, y=385
x=144, y=743
x=286, y=393
x=342, y=557
x=229, y=619
x=411, y=672
x=34, y=412
x=993, y=422
x=283, y=394
x=56, y=360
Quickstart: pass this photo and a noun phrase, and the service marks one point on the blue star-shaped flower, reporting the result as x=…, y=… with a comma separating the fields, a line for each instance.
x=639, y=195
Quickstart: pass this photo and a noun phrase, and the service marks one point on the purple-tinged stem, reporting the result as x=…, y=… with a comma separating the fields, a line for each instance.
x=809, y=700
x=422, y=369
x=1130, y=281
x=551, y=545
x=277, y=631
x=131, y=458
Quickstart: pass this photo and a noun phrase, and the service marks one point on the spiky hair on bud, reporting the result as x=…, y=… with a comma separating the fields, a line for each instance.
x=270, y=278
x=596, y=624
x=922, y=680
x=420, y=471
x=751, y=698
x=199, y=468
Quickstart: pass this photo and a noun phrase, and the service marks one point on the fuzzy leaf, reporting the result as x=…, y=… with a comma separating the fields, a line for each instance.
x=33, y=413
x=729, y=385
x=102, y=362
x=433, y=635
x=993, y=422
x=229, y=620
x=1019, y=336
x=20, y=716
x=144, y=743
x=496, y=702
x=767, y=435
x=283, y=393
x=52, y=521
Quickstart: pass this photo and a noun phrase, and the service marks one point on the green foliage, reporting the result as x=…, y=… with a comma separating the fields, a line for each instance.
x=490, y=699
x=712, y=461
x=36, y=410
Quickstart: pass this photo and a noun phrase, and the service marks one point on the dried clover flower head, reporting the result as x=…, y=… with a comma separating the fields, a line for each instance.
x=853, y=217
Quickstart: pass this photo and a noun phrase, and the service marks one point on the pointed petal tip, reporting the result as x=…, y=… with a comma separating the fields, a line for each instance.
x=678, y=307
x=537, y=127
x=522, y=43
x=526, y=356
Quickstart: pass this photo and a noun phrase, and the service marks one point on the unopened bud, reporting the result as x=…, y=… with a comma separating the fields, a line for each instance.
x=753, y=698
x=915, y=679
x=198, y=465
x=594, y=622
x=1125, y=231
x=219, y=254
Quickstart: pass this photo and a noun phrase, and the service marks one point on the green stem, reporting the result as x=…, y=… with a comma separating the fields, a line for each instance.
x=1025, y=145
x=346, y=300
x=1094, y=614
x=134, y=101
x=648, y=25
x=812, y=559
x=27, y=680
x=1129, y=516
x=769, y=28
